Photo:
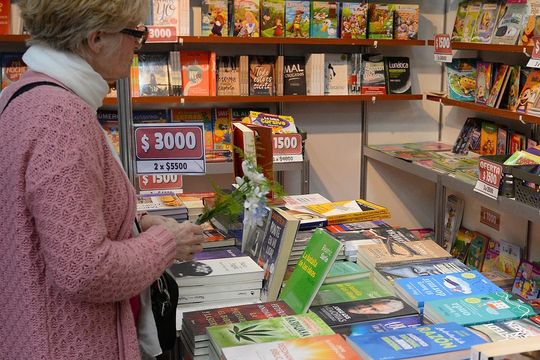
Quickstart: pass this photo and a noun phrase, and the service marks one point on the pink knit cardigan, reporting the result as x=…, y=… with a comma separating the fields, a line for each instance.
x=68, y=264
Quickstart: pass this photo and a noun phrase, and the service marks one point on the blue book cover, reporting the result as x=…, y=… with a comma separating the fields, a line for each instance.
x=382, y=325
x=150, y=116
x=224, y=252
x=419, y=341
x=420, y=289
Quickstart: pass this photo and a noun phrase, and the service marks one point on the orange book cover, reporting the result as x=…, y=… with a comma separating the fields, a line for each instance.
x=195, y=72
x=197, y=115
x=5, y=6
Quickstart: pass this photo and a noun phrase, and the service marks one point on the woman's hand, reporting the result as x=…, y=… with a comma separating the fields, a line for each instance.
x=147, y=221
x=188, y=237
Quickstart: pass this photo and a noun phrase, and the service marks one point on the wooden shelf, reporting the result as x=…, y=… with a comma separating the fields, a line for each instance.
x=14, y=38
x=458, y=45
x=486, y=109
x=181, y=100
x=296, y=41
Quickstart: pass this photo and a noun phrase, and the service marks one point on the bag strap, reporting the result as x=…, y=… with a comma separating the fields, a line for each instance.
x=28, y=87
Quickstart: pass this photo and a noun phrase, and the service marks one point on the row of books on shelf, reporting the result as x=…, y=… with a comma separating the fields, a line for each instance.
x=509, y=22
x=203, y=73
x=308, y=19
x=399, y=288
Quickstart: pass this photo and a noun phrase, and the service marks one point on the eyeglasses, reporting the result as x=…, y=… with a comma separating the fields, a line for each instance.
x=141, y=33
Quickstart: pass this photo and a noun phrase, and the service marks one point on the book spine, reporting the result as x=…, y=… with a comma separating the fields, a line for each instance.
x=358, y=217
x=241, y=294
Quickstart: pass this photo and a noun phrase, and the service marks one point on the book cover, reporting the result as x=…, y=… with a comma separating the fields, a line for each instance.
x=311, y=348
x=297, y=17
x=150, y=116
x=354, y=73
x=379, y=326
x=346, y=211
x=393, y=253
x=488, y=138
x=509, y=27
x=424, y=268
x=225, y=252
x=348, y=291
x=294, y=75
x=475, y=310
x=311, y=270
x=527, y=281
x=324, y=19
x=509, y=257
x=267, y=330
x=452, y=219
x=530, y=26
x=406, y=21
x=153, y=75
x=222, y=134
x=343, y=314
x=308, y=219
x=459, y=22
x=215, y=14
x=7, y=17
x=354, y=19
x=275, y=250
x=373, y=79
x=197, y=116
x=416, y=291
x=460, y=247
x=196, y=322
x=529, y=92
x=422, y=341
x=215, y=271
x=486, y=22
x=506, y=330
x=195, y=72
x=261, y=75
x=398, y=75
x=513, y=349
x=343, y=271
x=13, y=67
x=502, y=138
x=499, y=84
x=462, y=79
x=477, y=251
x=469, y=24
x=273, y=18
x=246, y=18
x=381, y=21
x=253, y=294
x=228, y=76
x=355, y=226
x=484, y=79
x=166, y=12
x=511, y=98
x=280, y=124
x=335, y=74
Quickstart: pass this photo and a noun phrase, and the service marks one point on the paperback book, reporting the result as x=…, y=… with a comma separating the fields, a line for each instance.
x=324, y=19
x=506, y=330
x=294, y=75
x=297, y=17
x=381, y=21
x=348, y=291
x=380, y=326
x=398, y=75
x=406, y=21
x=273, y=18
x=462, y=79
x=354, y=18
x=343, y=271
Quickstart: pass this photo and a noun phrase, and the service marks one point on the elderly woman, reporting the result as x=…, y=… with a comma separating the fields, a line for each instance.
x=70, y=262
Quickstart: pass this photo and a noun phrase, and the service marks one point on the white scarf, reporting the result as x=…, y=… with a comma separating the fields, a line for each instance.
x=71, y=70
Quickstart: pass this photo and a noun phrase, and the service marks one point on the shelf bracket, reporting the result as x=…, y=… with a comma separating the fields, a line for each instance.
x=375, y=44
x=182, y=101
x=520, y=118
x=181, y=41
x=525, y=52
x=373, y=99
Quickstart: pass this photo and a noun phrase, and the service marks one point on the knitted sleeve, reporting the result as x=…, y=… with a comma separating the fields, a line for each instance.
x=65, y=195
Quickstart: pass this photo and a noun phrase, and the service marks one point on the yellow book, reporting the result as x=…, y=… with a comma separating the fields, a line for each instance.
x=339, y=212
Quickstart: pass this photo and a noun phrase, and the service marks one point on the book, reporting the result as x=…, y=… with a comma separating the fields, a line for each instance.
x=338, y=212
x=297, y=17
x=502, y=256
x=215, y=271
x=416, y=291
x=527, y=281
x=509, y=27
x=196, y=72
x=222, y=132
x=477, y=251
x=486, y=22
x=275, y=250
x=499, y=84
x=379, y=326
x=469, y=23
x=6, y=17
x=462, y=242
x=373, y=80
x=310, y=348
x=198, y=116
x=166, y=12
x=261, y=75
x=294, y=75
x=267, y=330
x=335, y=74
x=282, y=124
x=406, y=21
x=512, y=90
x=246, y=18
x=424, y=268
x=273, y=18
x=214, y=18
x=506, y=330
x=354, y=73
x=311, y=270
x=461, y=79
x=459, y=22
x=515, y=349
x=450, y=340
x=224, y=252
x=353, y=312
x=488, y=138
x=354, y=18
x=253, y=294
x=484, y=79
x=452, y=219
x=475, y=310
x=232, y=286
x=398, y=75
x=196, y=322
x=381, y=21
x=342, y=271
x=395, y=253
x=228, y=76
x=324, y=20
x=529, y=92
x=348, y=291
x=153, y=75
x=13, y=67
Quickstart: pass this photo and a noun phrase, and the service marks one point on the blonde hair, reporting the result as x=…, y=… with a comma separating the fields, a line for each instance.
x=65, y=24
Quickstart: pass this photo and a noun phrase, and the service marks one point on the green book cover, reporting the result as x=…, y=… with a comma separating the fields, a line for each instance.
x=474, y=310
x=346, y=271
x=349, y=291
x=311, y=270
x=267, y=330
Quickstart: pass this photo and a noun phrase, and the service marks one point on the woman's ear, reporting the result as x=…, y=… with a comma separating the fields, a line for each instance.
x=95, y=42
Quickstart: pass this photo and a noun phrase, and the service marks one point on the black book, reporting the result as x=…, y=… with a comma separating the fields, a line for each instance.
x=398, y=75
x=294, y=75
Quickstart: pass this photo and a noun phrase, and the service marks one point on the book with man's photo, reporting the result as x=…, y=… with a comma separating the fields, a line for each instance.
x=216, y=271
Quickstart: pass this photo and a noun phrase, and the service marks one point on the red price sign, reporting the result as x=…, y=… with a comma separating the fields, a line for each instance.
x=489, y=178
x=490, y=218
x=161, y=34
x=170, y=149
x=535, y=56
x=443, y=48
x=287, y=148
x=160, y=182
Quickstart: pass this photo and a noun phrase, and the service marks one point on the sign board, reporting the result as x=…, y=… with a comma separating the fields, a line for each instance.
x=160, y=182
x=489, y=178
x=490, y=218
x=443, y=48
x=534, y=62
x=287, y=148
x=161, y=34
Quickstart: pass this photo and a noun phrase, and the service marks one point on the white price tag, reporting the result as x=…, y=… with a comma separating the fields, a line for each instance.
x=487, y=190
x=534, y=63
x=443, y=58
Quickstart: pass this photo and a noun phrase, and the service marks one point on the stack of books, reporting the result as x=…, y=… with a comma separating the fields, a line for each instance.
x=163, y=205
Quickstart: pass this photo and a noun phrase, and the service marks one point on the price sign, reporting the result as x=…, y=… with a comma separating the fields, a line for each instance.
x=490, y=218
x=535, y=56
x=489, y=178
x=161, y=34
x=160, y=182
x=287, y=148
x=443, y=48
x=170, y=149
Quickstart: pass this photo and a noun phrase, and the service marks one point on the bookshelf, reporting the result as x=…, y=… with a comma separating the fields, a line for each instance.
x=458, y=45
